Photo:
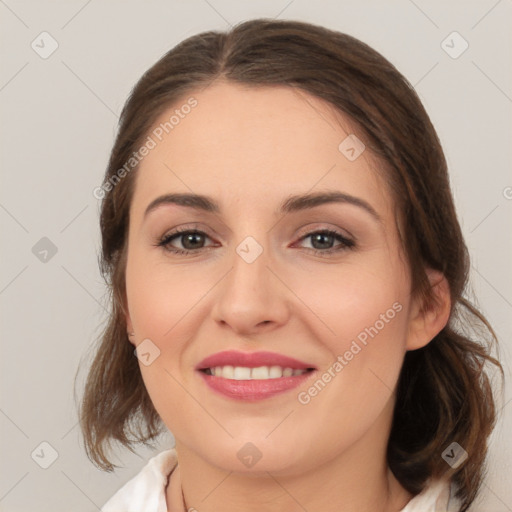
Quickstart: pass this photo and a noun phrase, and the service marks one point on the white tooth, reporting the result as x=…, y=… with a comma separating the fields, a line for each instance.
x=241, y=373
x=260, y=372
x=227, y=372
x=275, y=372
x=287, y=372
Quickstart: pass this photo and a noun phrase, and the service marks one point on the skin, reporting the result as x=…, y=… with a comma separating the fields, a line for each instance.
x=249, y=149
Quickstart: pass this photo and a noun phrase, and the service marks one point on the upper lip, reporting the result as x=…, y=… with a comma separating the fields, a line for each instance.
x=251, y=360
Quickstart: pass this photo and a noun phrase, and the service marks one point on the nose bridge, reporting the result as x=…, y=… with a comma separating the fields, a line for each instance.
x=249, y=279
x=250, y=265
x=250, y=294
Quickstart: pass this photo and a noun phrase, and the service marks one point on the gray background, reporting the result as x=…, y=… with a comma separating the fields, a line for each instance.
x=59, y=118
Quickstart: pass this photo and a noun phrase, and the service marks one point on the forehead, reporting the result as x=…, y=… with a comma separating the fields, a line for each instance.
x=241, y=143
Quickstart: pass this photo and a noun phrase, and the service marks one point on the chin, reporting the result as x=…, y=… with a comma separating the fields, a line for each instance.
x=257, y=456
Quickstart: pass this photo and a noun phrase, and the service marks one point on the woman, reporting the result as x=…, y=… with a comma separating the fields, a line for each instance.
x=286, y=263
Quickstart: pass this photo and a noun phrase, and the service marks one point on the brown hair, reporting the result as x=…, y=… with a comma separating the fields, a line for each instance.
x=444, y=391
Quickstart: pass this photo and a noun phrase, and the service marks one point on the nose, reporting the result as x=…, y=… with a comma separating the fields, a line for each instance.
x=251, y=298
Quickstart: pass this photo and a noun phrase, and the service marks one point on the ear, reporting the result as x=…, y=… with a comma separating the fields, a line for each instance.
x=427, y=320
x=129, y=328
x=123, y=301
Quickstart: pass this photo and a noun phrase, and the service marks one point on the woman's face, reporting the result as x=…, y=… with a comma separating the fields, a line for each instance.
x=260, y=275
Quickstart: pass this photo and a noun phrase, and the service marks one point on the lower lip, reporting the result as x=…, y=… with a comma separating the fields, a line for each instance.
x=252, y=390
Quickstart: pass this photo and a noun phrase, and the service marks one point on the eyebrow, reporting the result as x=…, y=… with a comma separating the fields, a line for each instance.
x=292, y=204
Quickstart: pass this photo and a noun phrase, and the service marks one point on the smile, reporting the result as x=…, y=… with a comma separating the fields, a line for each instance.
x=259, y=373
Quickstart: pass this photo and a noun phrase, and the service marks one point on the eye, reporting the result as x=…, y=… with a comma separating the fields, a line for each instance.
x=191, y=240
x=323, y=241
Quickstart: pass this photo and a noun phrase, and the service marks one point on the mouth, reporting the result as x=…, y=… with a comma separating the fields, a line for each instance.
x=257, y=373
x=252, y=376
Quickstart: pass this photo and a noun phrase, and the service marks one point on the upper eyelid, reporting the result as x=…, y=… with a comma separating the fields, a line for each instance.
x=323, y=227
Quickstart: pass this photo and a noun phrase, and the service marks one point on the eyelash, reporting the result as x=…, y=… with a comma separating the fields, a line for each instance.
x=167, y=239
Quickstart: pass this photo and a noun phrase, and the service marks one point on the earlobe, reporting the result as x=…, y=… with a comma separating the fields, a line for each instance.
x=427, y=320
x=129, y=330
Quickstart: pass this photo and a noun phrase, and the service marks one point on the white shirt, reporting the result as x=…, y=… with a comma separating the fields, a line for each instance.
x=145, y=492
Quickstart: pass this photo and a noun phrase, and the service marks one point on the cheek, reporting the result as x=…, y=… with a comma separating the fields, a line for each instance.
x=363, y=313
x=363, y=326
x=356, y=302
x=162, y=301
x=159, y=294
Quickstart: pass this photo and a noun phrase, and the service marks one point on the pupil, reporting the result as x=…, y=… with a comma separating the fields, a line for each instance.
x=190, y=238
x=321, y=236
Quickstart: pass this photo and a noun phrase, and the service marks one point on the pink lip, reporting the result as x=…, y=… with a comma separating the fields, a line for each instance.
x=251, y=360
x=253, y=390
